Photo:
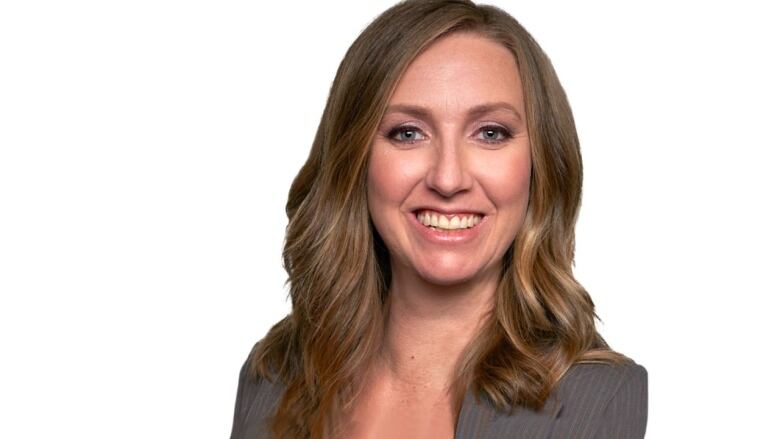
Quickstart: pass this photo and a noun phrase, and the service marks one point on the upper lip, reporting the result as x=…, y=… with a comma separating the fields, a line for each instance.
x=450, y=210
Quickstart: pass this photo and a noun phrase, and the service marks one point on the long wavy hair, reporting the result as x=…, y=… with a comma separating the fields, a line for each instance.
x=543, y=320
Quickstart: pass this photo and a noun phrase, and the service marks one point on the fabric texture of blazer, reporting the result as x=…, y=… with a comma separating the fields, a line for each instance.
x=591, y=401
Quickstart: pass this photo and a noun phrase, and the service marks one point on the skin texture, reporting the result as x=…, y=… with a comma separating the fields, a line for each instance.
x=440, y=292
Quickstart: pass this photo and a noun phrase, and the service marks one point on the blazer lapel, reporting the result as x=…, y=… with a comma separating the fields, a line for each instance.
x=474, y=419
x=479, y=419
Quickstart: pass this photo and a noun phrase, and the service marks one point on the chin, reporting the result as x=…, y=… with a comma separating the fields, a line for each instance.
x=447, y=275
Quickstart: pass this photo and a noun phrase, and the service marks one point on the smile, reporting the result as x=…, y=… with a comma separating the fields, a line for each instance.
x=436, y=220
x=438, y=228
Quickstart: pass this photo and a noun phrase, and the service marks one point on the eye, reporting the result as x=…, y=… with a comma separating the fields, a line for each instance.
x=495, y=134
x=406, y=132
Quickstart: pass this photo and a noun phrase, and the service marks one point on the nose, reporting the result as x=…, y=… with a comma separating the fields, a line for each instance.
x=448, y=172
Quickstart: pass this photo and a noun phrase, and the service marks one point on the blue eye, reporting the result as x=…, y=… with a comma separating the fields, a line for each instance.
x=407, y=134
x=495, y=134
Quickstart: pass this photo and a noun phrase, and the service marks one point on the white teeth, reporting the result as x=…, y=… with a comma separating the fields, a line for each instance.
x=432, y=219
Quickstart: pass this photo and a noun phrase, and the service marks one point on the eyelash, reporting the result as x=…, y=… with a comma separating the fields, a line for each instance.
x=505, y=133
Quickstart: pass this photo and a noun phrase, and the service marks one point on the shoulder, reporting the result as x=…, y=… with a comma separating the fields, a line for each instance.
x=256, y=402
x=599, y=381
x=598, y=400
x=591, y=401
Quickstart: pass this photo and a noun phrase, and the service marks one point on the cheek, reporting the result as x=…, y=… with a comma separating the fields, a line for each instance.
x=508, y=181
x=391, y=176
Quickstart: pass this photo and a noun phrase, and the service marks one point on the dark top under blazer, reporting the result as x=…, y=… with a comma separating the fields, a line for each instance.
x=591, y=401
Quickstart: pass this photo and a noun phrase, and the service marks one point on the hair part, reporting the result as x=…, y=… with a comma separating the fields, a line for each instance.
x=338, y=268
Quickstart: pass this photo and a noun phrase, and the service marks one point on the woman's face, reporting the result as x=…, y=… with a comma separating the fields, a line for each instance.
x=449, y=169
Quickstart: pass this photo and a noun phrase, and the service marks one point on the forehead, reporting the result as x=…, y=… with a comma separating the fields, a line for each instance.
x=459, y=71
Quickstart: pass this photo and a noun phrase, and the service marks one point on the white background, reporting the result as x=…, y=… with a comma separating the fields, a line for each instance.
x=146, y=150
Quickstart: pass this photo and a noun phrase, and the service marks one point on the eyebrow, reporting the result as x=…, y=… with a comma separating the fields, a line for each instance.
x=473, y=112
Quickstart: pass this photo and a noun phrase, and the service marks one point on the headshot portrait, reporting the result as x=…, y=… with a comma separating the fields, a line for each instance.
x=429, y=250
x=389, y=219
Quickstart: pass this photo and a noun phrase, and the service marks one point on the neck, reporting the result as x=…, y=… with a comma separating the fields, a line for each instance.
x=428, y=326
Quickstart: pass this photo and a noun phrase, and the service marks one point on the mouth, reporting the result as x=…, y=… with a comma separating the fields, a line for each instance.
x=448, y=221
x=448, y=229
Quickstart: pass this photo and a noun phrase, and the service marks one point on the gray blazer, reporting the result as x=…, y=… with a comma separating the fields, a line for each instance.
x=592, y=401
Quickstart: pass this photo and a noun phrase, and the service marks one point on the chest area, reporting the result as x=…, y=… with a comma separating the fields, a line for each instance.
x=382, y=411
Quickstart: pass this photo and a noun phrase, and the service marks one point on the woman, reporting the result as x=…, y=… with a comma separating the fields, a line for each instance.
x=429, y=251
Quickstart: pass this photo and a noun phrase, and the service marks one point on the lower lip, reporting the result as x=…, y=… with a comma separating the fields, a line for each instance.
x=457, y=236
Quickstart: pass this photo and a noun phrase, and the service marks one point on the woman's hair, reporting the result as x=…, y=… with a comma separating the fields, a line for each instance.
x=338, y=266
